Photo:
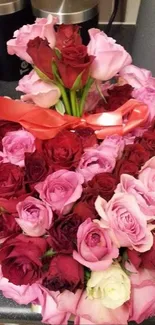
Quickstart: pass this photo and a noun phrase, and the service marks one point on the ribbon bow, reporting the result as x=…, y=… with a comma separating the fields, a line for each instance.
x=46, y=123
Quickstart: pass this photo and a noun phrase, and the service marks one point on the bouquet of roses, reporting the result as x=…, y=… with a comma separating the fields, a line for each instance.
x=77, y=193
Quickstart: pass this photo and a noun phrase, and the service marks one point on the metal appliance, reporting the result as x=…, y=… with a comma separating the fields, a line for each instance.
x=82, y=12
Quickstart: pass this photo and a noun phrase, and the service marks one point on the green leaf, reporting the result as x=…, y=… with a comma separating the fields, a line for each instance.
x=41, y=75
x=58, y=53
x=78, y=82
x=56, y=74
x=49, y=253
x=60, y=108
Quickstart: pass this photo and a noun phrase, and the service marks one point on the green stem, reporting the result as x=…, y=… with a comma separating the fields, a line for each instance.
x=74, y=103
x=65, y=99
x=85, y=93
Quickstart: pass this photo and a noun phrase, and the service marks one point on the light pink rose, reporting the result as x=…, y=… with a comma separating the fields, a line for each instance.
x=35, y=217
x=95, y=247
x=146, y=201
x=57, y=307
x=136, y=76
x=147, y=96
x=95, y=161
x=114, y=144
x=61, y=189
x=16, y=144
x=23, y=294
x=110, y=57
x=127, y=223
x=142, y=302
x=93, y=312
x=147, y=175
x=41, y=93
x=43, y=27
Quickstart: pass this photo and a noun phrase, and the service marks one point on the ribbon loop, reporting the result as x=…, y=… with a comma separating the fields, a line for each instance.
x=45, y=123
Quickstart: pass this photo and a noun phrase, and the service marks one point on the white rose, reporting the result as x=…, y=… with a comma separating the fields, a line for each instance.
x=112, y=286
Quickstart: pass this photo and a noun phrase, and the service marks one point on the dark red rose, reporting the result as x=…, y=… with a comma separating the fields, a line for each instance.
x=63, y=151
x=152, y=126
x=145, y=260
x=148, y=141
x=123, y=166
x=8, y=225
x=88, y=199
x=36, y=168
x=63, y=232
x=67, y=35
x=118, y=96
x=135, y=258
x=42, y=55
x=20, y=258
x=87, y=136
x=83, y=210
x=73, y=62
x=7, y=126
x=64, y=273
x=136, y=153
x=102, y=184
x=11, y=181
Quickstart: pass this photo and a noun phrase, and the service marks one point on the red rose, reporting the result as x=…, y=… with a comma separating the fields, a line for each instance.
x=136, y=153
x=73, y=62
x=118, y=96
x=102, y=184
x=123, y=166
x=11, y=181
x=148, y=141
x=63, y=151
x=145, y=260
x=36, y=168
x=67, y=35
x=64, y=273
x=20, y=258
x=63, y=232
x=42, y=55
x=8, y=225
x=7, y=126
x=88, y=199
x=83, y=210
x=87, y=136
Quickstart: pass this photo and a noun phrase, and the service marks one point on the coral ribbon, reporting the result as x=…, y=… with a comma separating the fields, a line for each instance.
x=46, y=123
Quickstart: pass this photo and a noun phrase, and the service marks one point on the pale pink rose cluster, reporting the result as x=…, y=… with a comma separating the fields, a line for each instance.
x=43, y=27
x=15, y=145
x=101, y=158
x=41, y=93
x=144, y=84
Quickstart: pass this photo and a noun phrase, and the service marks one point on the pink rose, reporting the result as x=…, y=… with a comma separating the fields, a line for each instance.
x=61, y=189
x=93, y=312
x=126, y=221
x=43, y=27
x=142, y=302
x=41, y=93
x=95, y=248
x=35, y=217
x=147, y=96
x=57, y=307
x=136, y=76
x=23, y=294
x=16, y=144
x=110, y=57
x=115, y=144
x=147, y=175
x=146, y=201
x=95, y=161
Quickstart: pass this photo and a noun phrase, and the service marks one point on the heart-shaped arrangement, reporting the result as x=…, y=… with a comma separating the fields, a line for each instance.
x=77, y=170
